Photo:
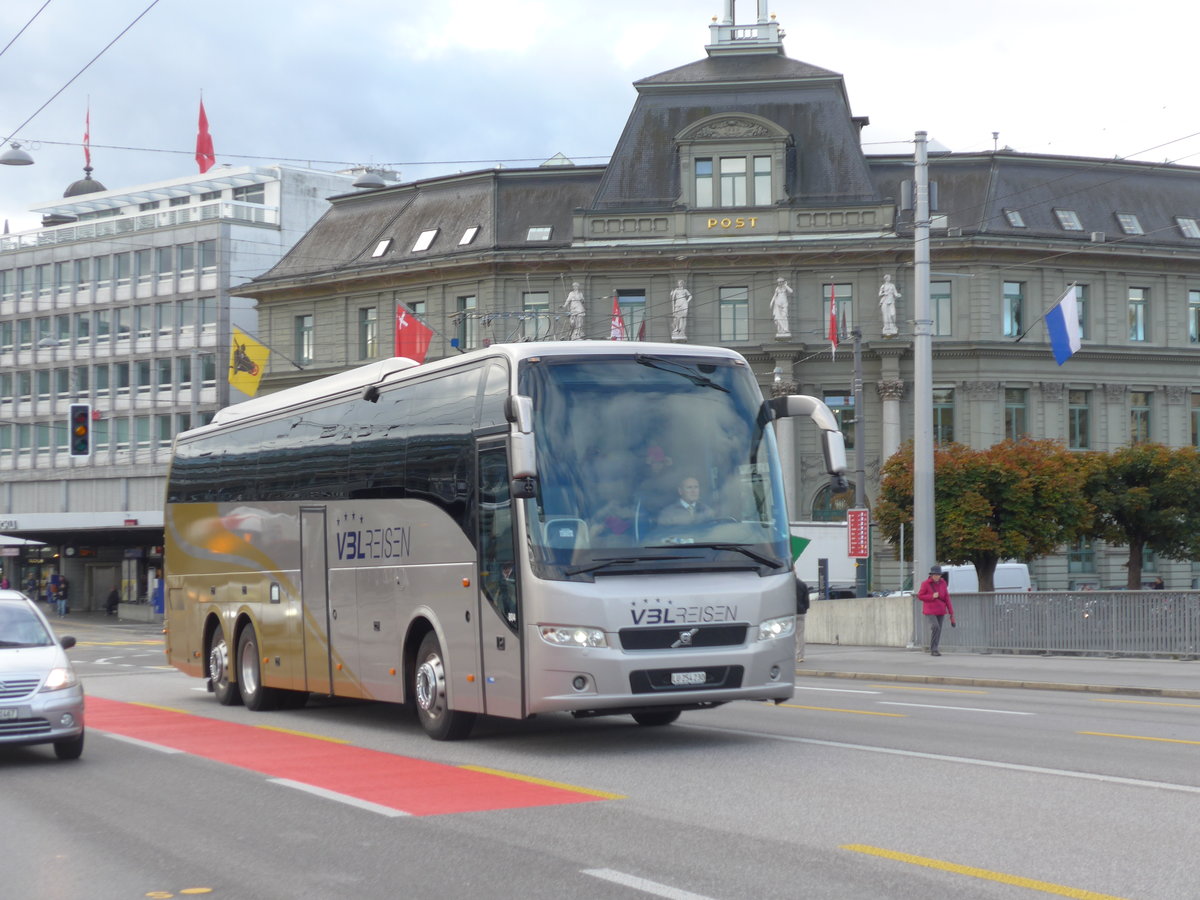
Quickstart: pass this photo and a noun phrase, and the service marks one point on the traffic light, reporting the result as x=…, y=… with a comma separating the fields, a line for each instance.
x=80, y=428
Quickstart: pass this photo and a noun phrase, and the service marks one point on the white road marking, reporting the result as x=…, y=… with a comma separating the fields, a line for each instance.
x=986, y=763
x=138, y=743
x=1003, y=712
x=340, y=798
x=643, y=885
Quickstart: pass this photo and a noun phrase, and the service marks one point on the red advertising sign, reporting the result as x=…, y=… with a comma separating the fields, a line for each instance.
x=858, y=533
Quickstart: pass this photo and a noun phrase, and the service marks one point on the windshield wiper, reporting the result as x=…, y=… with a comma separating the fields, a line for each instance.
x=670, y=365
x=619, y=561
x=738, y=548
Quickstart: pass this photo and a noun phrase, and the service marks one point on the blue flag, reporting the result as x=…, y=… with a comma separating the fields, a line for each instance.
x=1063, y=324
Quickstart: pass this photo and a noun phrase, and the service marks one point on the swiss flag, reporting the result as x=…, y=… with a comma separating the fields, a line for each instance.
x=412, y=335
x=204, y=145
x=618, y=322
x=833, y=326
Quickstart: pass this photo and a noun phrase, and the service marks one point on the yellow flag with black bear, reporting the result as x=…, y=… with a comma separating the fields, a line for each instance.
x=247, y=361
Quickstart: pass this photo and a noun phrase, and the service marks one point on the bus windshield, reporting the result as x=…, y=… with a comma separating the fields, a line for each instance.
x=651, y=463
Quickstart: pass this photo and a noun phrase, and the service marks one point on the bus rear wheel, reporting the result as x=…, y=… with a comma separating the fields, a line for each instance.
x=656, y=718
x=223, y=689
x=254, y=694
x=429, y=687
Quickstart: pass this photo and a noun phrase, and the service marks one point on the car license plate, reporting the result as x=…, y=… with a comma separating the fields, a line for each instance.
x=10, y=712
x=679, y=678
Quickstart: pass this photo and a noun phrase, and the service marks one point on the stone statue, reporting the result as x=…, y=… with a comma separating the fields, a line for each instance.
x=779, y=308
x=888, y=295
x=575, y=310
x=681, y=299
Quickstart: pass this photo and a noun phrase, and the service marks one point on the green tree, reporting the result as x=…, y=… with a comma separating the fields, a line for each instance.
x=1146, y=496
x=1013, y=500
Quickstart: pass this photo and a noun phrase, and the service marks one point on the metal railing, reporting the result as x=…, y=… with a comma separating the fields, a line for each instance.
x=1108, y=623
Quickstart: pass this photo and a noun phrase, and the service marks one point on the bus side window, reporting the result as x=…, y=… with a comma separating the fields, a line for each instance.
x=497, y=556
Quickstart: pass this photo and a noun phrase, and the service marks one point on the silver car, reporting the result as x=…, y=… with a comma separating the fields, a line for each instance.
x=41, y=699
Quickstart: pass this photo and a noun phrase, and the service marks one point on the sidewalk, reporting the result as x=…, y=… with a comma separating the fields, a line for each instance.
x=1145, y=677
x=86, y=623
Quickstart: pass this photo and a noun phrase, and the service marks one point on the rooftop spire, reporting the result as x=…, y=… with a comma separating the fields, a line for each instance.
x=726, y=37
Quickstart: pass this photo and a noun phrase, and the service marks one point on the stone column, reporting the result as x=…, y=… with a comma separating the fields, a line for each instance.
x=891, y=392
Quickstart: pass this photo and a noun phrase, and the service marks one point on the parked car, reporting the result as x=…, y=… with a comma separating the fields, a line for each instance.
x=41, y=699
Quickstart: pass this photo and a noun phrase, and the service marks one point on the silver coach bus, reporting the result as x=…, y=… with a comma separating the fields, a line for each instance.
x=575, y=526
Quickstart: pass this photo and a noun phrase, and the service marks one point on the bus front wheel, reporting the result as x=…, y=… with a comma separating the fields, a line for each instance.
x=254, y=694
x=223, y=689
x=429, y=687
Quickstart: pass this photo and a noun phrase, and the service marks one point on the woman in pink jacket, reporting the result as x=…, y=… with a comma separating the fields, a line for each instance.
x=936, y=605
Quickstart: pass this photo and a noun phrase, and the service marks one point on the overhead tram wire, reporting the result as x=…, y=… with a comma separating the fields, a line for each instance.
x=23, y=27
x=88, y=65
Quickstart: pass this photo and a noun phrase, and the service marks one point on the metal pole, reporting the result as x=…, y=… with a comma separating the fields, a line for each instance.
x=860, y=438
x=924, y=543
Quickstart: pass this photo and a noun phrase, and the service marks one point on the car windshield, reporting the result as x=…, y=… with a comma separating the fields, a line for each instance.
x=651, y=463
x=21, y=627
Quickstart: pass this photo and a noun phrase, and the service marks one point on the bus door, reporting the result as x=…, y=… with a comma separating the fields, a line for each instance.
x=499, y=608
x=314, y=594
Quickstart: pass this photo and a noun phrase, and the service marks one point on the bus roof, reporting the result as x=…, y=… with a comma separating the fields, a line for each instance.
x=395, y=369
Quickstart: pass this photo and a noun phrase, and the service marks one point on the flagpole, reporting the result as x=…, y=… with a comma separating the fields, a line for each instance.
x=1043, y=315
x=924, y=530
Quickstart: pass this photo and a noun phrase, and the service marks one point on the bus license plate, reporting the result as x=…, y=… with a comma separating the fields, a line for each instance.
x=9, y=712
x=679, y=678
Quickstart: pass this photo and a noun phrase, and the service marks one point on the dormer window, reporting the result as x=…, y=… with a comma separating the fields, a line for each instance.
x=732, y=161
x=1188, y=226
x=424, y=240
x=1068, y=219
x=1129, y=223
x=1015, y=219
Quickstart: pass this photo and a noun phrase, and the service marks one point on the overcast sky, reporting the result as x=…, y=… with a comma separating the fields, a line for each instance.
x=430, y=86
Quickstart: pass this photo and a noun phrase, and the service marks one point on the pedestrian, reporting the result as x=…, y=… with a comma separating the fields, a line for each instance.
x=64, y=605
x=936, y=605
x=112, y=602
x=1158, y=584
x=4, y=583
x=802, y=604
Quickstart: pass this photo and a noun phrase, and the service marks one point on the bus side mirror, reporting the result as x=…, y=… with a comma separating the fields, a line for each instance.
x=522, y=457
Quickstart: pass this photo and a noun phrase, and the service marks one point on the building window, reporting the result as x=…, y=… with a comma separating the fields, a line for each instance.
x=1129, y=223
x=164, y=259
x=121, y=378
x=304, y=337
x=943, y=415
x=539, y=233
x=732, y=184
x=183, y=368
x=187, y=259
x=939, y=306
x=208, y=370
x=704, y=182
x=1015, y=219
x=179, y=201
x=732, y=160
x=1137, y=313
x=424, y=240
x=208, y=314
x=1193, y=315
x=143, y=265
x=843, y=298
x=468, y=235
x=1139, y=416
x=1189, y=227
x=1079, y=429
x=62, y=383
x=1081, y=306
x=162, y=428
x=101, y=271
x=734, y=311
x=103, y=321
x=536, y=305
x=831, y=506
x=121, y=434
x=143, y=319
x=381, y=248
x=162, y=378
x=208, y=257
x=1014, y=300
x=250, y=193
x=1015, y=413
x=368, y=333
x=841, y=404
x=633, y=312
x=141, y=376
x=164, y=317
x=1081, y=556
x=1068, y=219
x=467, y=324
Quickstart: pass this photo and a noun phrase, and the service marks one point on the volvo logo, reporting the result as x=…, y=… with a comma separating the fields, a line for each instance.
x=685, y=638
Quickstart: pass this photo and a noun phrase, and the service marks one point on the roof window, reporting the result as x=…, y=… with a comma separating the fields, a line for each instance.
x=539, y=233
x=425, y=240
x=381, y=248
x=1129, y=223
x=1015, y=219
x=468, y=235
x=1069, y=220
x=1189, y=226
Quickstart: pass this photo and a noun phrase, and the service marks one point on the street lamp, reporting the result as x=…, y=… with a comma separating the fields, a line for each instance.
x=15, y=156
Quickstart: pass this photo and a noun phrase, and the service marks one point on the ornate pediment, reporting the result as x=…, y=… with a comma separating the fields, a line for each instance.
x=730, y=127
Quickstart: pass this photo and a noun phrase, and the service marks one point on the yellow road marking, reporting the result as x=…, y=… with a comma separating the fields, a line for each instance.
x=542, y=781
x=910, y=687
x=165, y=708
x=1146, y=702
x=1140, y=737
x=1032, y=884
x=857, y=712
x=305, y=734
x=158, y=642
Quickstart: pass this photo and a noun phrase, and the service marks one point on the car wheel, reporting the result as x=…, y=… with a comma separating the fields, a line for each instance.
x=223, y=689
x=429, y=687
x=71, y=748
x=254, y=694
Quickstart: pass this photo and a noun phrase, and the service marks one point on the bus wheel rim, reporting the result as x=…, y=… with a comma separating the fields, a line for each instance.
x=249, y=671
x=218, y=661
x=428, y=685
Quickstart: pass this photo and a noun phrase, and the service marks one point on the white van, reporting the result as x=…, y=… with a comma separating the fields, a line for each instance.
x=1009, y=576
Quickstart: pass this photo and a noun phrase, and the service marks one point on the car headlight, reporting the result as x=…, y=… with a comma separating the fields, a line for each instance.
x=776, y=628
x=59, y=678
x=573, y=636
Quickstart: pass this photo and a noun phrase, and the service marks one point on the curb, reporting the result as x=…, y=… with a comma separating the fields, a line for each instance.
x=1002, y=683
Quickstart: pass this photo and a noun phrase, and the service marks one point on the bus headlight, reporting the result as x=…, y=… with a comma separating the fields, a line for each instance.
x=573, y=636
x=776, y=628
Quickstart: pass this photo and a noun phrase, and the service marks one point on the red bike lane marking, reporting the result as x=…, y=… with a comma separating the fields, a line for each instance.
x=414, y=786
